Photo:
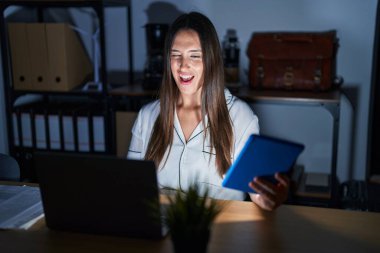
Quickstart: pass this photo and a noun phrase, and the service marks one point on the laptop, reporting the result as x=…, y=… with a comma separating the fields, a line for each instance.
x=99, y=194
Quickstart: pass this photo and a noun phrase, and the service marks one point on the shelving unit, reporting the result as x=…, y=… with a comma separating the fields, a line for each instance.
x=24, y=154
x=330, y=101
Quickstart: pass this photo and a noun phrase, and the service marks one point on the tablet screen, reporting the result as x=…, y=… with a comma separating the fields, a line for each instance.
x=261, y=156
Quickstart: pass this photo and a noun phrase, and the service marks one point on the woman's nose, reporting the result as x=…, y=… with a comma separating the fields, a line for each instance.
x=184, y=63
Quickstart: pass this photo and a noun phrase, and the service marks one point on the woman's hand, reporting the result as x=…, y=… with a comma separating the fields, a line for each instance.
x=269, y=196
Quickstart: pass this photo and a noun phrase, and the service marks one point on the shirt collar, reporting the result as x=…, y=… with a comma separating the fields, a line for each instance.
x=229, y=98
x=199, y=129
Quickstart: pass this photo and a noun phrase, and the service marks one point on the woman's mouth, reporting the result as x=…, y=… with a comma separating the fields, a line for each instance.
x=186, y=79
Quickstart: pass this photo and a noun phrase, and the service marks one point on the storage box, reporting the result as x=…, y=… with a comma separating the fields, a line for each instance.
x=47, y=57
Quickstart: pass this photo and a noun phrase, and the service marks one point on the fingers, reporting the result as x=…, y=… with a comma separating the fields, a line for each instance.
x=264, y=203
x=264, y=186
x=269, y=196
x=282, y=179
x=265, y=196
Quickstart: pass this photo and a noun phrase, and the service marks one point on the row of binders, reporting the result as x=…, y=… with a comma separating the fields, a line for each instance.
x=64, y=127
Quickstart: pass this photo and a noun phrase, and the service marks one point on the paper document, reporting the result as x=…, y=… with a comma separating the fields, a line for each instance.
x=20, y=206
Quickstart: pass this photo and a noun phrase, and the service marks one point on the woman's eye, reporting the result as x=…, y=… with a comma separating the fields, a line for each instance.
x=196, y=56
x=176, y=55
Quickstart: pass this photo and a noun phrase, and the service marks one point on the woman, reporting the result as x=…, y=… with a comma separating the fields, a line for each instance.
x=197, y=128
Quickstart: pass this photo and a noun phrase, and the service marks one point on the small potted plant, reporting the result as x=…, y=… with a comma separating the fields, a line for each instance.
x=189, y=218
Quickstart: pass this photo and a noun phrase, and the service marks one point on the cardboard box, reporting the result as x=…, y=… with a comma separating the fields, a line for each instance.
x=124, y=124
x=51, y=56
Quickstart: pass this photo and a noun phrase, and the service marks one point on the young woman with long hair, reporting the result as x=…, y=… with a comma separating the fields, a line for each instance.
x=197, y=127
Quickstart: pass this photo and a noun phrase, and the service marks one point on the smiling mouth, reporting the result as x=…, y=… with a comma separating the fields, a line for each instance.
x=186, y=78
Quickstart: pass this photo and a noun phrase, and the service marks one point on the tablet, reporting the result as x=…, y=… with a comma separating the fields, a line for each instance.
x=261, y=156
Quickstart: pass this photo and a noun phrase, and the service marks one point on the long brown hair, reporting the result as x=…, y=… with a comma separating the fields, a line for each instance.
x=213, y=100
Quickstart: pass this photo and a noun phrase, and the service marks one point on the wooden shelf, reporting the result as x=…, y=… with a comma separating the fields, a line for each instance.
x=283, y=96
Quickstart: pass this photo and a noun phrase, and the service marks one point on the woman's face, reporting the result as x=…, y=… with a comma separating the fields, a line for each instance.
x=186, y=62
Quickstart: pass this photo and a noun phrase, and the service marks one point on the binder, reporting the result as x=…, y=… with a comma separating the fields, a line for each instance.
x=62, y=125
x=26, y=129
x=40, y=125
x=91, y=128
x=83, y=129
x=69, y=125
x=24, y=125
x=83, y=134
x=20, y=58
x=68, y=133
x=39, y=120
x=54, y=131
x=53, y=125
x=34, y=125
x=99, y=128
x=99, y=139
x=15, y=125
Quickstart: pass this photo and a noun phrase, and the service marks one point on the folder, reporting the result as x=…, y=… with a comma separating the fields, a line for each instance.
x=36, y=36
x=20, y=58
x=69, y=63
x=47, y=57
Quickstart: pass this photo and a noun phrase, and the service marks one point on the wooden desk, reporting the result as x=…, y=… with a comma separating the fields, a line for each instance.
x=241, y=227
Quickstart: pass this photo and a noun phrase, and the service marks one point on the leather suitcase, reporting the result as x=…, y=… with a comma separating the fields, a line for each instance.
x=293, y=60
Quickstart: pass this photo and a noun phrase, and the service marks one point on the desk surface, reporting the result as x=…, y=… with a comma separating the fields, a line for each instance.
x=241, y=227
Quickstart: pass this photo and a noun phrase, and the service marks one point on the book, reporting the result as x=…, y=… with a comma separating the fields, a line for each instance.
x=20, y=206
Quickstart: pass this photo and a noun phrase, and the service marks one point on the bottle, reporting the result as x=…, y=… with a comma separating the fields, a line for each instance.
x=231, y=53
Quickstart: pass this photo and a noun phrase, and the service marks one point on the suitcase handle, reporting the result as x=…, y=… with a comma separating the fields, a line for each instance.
x=279, y=38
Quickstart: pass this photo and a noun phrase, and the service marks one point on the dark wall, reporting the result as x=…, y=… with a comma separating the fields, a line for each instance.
x=374, y=124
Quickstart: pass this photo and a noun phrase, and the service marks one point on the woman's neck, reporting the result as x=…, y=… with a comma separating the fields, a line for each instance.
x=189, y=102
x=189, y=114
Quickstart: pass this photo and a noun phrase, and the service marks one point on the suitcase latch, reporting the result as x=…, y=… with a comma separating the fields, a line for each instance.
x=288, y=77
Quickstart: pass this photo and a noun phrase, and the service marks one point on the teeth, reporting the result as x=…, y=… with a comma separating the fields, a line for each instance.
x=186, y=77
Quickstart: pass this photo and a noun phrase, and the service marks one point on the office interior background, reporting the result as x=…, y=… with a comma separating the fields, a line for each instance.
x=354, y=22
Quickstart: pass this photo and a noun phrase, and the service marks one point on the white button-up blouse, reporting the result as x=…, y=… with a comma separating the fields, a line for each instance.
x=193, y=160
